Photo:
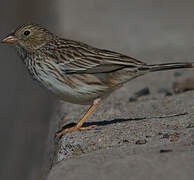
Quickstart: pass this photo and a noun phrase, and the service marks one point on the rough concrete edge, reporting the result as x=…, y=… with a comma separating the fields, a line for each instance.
x=52, y=142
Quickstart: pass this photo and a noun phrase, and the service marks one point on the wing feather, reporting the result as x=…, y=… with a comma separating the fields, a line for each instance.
x=76, y=57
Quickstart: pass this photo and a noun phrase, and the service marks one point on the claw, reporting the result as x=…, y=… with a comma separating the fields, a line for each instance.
x=74, y=128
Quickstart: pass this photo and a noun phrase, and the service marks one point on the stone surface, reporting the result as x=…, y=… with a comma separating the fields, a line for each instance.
x=111, y=150
x=128, y=162
x=152, y=31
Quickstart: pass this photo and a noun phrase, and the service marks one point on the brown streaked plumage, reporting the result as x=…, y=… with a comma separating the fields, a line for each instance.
x=74, y=71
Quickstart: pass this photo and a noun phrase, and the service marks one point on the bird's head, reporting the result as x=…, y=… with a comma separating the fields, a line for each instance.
x=29, y=36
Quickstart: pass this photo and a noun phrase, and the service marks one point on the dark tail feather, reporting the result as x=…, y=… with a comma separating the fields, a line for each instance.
x=167, y=66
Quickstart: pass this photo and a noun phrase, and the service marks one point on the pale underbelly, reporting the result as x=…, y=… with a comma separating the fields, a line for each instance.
x=82, y=89
x=83, y=95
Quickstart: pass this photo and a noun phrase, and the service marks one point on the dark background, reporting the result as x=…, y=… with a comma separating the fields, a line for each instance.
x=153, y=30
x=25, y=108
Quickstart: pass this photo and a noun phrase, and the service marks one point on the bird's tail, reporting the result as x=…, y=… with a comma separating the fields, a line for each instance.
x=166, y=66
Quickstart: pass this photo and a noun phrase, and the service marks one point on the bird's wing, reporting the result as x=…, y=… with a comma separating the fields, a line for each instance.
x=75, y=57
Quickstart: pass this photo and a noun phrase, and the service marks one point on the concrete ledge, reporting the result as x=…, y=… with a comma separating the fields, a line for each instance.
x=152, y=138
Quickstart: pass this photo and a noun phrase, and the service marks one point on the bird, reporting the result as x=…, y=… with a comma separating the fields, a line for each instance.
x=74, y=71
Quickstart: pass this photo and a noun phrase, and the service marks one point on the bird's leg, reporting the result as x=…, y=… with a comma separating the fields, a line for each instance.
x=78, y=126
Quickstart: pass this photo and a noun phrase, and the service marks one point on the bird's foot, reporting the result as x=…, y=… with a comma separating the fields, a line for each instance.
x=74, y=128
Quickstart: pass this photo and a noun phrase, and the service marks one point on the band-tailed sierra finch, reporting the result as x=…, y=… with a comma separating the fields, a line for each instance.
x=74, y=71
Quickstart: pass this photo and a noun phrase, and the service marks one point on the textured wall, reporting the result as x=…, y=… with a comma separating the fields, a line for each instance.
x=144, y=29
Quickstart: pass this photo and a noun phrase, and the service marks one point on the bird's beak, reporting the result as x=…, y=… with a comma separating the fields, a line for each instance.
x=10, y=39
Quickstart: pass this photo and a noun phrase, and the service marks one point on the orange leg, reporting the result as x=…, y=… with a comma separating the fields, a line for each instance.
x=80, y=123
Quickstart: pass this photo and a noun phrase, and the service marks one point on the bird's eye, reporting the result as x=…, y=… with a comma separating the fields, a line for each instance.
x=26, y=33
